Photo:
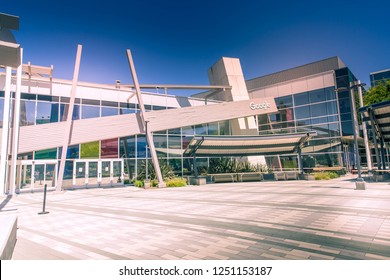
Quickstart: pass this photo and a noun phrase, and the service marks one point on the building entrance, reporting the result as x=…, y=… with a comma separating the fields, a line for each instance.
x=34, y=174
x=95, y=173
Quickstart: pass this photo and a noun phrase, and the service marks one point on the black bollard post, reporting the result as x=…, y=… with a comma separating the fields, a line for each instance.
x=44, y=202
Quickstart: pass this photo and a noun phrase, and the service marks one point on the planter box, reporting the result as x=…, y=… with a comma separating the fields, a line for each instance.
x=269, y=176
x=197, y=181
x=308, y=177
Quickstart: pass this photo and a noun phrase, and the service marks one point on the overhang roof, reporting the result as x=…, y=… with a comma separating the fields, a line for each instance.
x=378, y=115
x=247, y=145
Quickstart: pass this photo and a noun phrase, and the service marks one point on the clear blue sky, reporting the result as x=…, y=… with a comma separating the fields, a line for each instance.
x=175, y=42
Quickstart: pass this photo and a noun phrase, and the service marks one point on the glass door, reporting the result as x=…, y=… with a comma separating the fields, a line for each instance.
x=35, y=174
x=92, y=176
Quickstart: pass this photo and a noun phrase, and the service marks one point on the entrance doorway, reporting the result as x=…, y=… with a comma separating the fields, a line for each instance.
x=96, y=173
x=33, y=175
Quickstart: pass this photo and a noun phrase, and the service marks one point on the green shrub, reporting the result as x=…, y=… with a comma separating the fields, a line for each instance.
x=139, y=183
x=325, y=175
x=166, y=170
x=154, y=183
x=176, y=182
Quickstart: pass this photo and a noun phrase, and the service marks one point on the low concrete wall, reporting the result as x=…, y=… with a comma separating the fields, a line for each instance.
x=7, y=236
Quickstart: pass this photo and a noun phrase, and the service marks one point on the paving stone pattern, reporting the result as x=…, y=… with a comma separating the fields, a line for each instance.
x=262, y=220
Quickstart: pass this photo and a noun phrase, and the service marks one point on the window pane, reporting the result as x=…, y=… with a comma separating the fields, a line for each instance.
x=73, y=152
x=332, y=108
x=302, y=112
x=90, y=150
x=345, y=105
x=27, y=112
x=201, y=129
x=317, y=96
x=46, y=154
x=301, y=99
x=160, y=143
x=90, y=112
x=64, y=112
x=213, y=128
x=174, y=146
x=318, y=110
x=47, y=112
x=109, y=148
x=127, y=147
x=109, y=111
x=1, y=112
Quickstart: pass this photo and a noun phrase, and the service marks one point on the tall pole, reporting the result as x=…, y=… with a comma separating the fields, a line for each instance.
x=5, y=132
x=365, y=136
x=69, y=121
x=360, y=184
x=15, y=129
x=148, y=133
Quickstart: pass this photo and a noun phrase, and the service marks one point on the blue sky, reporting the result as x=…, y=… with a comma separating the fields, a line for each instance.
x=175, y=42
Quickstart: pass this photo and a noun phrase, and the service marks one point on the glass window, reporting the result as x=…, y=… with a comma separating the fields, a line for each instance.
x=109, y=111
x=301, y=99
x=68, y=172
x=224, y=128
x=47, y=112
x=27, y=112
x=347, y=128
x=156, y=108
x=188, y=130
x=46, y=154
x=90, y=150
x=284, y=101
x=174, y=146
x=73, y=152
x=345, y=105
x=174, y=131
x=331, y=108
x=161, y=144
x=127, y=147
x=317, y=95
x=334, y=130
x=286, y=115
x=141, y=146
x=302, y=112
x=201, y=129
x=318, y=110
x=91, y=102
x=64, y=112
x=213, y=128
x=90, y=112
x=124, y=111
x=176, y=165
x=330, y=93
x=28, y=96
x=346, y=117
x=109, y=148
x=25, y=156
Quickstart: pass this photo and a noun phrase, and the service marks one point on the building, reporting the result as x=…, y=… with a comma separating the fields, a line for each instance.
x=379, y=76
x=104, y=127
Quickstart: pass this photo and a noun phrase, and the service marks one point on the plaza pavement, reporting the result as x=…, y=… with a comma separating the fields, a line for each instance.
x=257, y=220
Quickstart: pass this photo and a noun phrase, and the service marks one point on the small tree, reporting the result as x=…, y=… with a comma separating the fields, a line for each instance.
x=378, y=93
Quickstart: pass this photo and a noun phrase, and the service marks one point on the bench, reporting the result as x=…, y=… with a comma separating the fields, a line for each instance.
x=279, y=175
x=291, y=175
x=250, y=176
x=224, y=177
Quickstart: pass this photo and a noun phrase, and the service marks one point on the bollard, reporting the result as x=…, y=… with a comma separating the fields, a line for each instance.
x=44, y=202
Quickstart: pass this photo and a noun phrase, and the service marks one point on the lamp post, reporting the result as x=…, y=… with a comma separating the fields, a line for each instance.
x=360, y=184
x=147, y=183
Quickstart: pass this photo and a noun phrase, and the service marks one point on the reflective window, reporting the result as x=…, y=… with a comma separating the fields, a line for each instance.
x=109, y=111
x=90, y=112
x=72, y=152
x=90, y=150
x=27, y=112
x=161, y=144
x=109, y=148
x=334, y=130
x=317, y=96
x=345, y=105
x=127, y=147
x=347, y=128
x=201, y=129
x=213, y=128
x=68, y=172
x=301, y=99
x=188, y=130
x=125, y=111
x=318, y=110
x=141, y=146
x=47, y=112
x=302, y=112
x=330, y=93
x=174, y=146
x=46, y=154
x=64, y=112
x=284, y=101
x=331, y=107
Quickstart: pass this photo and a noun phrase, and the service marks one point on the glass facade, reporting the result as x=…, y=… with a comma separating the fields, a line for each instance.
x=315, y=110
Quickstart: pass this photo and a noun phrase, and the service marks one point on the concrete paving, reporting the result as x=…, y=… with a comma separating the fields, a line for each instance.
x=261, y=220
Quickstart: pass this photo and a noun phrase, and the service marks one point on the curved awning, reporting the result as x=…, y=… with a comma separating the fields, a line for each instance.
x=247, y=145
